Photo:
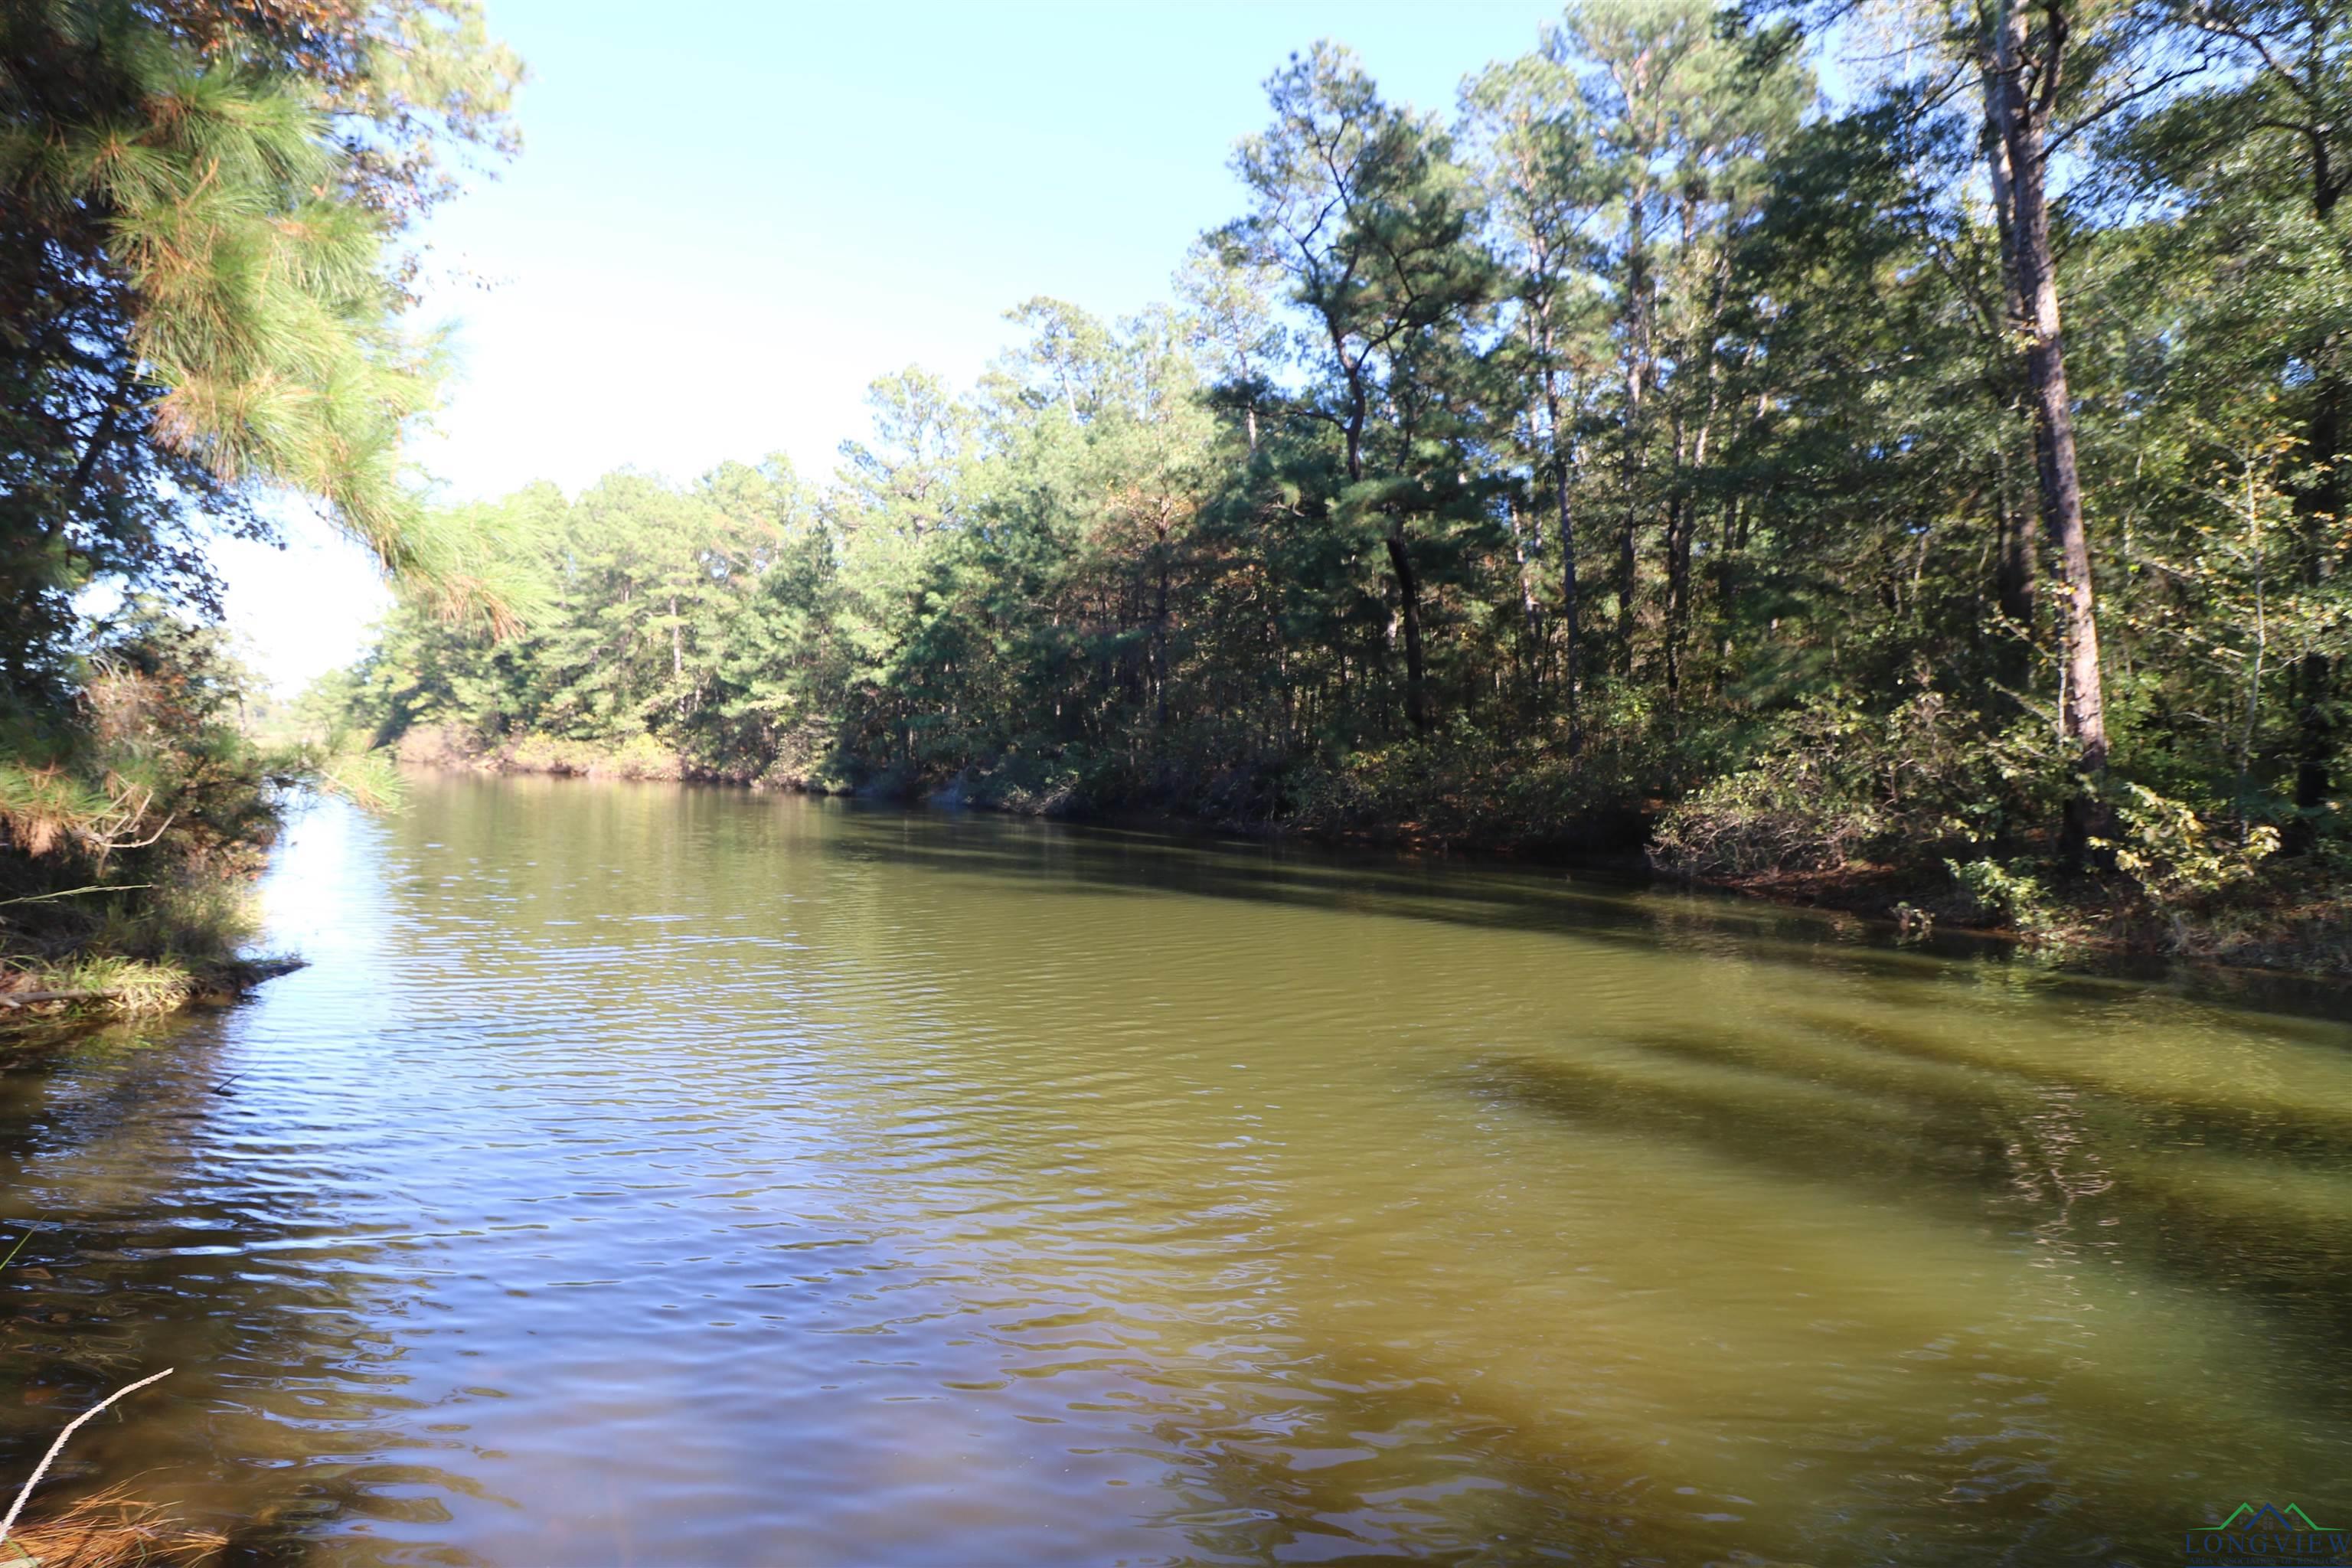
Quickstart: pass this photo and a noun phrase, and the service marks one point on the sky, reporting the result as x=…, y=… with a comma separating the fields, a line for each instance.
x=730, y=215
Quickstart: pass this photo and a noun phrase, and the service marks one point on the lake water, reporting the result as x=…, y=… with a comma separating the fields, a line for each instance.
x=641, y=1175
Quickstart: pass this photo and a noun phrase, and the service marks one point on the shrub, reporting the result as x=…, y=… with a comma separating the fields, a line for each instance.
x=2176, y=857
x=2003, y=893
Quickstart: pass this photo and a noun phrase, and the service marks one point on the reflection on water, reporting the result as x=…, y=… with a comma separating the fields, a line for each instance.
x=654, y=1175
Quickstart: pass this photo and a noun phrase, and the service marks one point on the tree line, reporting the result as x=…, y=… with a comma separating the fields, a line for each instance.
x=1949, y=475
x=1941, y=476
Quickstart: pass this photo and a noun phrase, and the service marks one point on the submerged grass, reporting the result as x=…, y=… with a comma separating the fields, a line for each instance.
x=106, y=1527
x=110, y=1528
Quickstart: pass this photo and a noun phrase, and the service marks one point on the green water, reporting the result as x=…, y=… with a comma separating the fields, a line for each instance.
x=652, y=1176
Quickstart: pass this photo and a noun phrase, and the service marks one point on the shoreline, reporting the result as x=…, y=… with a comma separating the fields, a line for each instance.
x=2095, y=927
x=50, y=996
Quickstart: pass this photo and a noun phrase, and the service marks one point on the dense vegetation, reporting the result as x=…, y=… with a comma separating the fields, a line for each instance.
x=1645, y=453
x=201, y=287
x=1933, y=495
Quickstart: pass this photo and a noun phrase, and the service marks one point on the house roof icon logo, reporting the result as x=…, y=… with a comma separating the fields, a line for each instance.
x=2269, y=1533
x=2268, y=1517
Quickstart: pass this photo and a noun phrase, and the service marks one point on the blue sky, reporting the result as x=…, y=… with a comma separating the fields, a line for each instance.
x=729, y=216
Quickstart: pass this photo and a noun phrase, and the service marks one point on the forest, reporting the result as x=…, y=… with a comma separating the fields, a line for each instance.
x=1890, y=457
x=1926, y=496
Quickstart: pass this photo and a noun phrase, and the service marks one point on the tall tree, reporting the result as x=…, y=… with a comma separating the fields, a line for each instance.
x=2026, y=45
x=1542, y=192
x=200, y=268
x=1360, y=206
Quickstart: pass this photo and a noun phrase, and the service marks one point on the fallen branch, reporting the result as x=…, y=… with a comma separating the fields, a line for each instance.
x=50, y=1457
x=73, y=892
x=26, y=998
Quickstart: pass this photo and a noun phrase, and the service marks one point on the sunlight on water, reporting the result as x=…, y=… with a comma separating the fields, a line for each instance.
x=655, y=1176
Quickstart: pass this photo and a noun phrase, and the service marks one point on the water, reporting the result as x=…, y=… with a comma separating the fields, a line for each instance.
x=652, y=1176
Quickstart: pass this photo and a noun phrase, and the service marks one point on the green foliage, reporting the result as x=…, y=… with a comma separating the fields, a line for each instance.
x=200, y=300
x=368, y=779
x=2175, y=855
x=2013, y=897
x=202, y=292
x=132, y=838
x=1638, y=460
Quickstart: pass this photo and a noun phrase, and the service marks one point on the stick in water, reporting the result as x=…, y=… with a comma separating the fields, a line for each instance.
x=50, y=1457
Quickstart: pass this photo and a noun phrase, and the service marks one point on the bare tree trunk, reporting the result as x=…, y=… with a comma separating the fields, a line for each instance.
x=2012, y=575
x=2321, y=504
x=1527, y=545
x=1689, y=458
x=2024, y=128
x=1571, y=631
x=98, y=440
x=1680, y=516
x=2013, y=572
x=1417, y=708
x=1160, y=637
x=1682, y=527
x=1408, y=582
x=1563, y=462
x=1636, y=379
x=1726, y=586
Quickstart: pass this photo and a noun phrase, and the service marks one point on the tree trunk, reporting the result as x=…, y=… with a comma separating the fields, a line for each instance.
x=2025, y=127
x=1416, y=711
x=2013, y=577
x=1681, y=518
x=1400, y=558
x=2320, y=504
x=1727, y=584
x=1526, y=546
x=1636, y=379
x=1159, y=638
x=98, y=440
x=1682, y=527
x=2014, y=563
x=1571, y=672
x=1563, y=462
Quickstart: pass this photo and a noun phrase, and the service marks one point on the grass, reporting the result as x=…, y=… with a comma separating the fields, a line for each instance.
x=93, y=984
x=109, y=1529
x=133, y=950
x=105, y=1528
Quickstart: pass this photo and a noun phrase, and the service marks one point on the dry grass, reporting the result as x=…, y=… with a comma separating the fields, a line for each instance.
x=107, y=984
x=107, y=1530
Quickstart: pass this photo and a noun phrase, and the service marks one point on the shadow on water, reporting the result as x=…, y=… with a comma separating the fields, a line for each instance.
x=2051, y=1184
x=1605, y=904
x=1359, y=1448
x=2225, y=1204
x=1355, y=1461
